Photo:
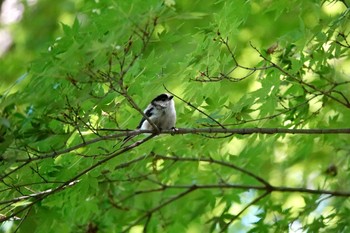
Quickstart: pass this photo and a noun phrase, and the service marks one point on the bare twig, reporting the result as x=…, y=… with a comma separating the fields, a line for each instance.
x=256, y=200
x=211, y=160
x=38, y=194
x=22, y=220
x=135, y=106
x=25, y=162
x=191, y=105
x=190, y=188
x=325, y=93
x=160, y=206
x=41, y=195
x=145, y=36
x=226, y=75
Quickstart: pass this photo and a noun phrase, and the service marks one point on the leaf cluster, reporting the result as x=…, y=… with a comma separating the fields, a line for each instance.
x=229, y=64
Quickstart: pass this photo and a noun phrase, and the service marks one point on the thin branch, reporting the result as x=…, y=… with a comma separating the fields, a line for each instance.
x=225, y=42
x=31, y=184
x=226, y=75
x=144, y=191
x=282, y=112
x=22, y=220
x=25, y=162
x=245, y=131
x=69, y=149
x=299, y=80
x=146, y=224
x=145, y=37
x=242, y=131
x=137, y=108
x=191, y=105
x=256, y=200
x=191, y=188
x=160, y=206
x=344, y=2
x=38, y=173
x=40, y=196
x=211, y=160
x=253, y=187
x=263, y=188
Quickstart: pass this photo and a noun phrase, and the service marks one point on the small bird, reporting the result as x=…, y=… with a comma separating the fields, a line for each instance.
x=161, y=111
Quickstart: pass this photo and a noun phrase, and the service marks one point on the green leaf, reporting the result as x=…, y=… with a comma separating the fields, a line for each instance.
x=249, y=65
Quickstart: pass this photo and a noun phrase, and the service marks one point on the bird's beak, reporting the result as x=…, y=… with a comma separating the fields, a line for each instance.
x=170, y=97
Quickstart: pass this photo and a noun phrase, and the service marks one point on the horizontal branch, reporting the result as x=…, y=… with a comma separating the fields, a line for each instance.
x=242, y=131
x=262, y=188
x=38, y=194
x=218, y=162
x=267, y=189
x=190, y=188
x=245, y=131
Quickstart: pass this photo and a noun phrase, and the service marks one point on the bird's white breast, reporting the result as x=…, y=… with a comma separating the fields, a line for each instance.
x=163, y=118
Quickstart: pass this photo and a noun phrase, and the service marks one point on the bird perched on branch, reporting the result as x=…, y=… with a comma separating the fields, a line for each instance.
x=161, y=111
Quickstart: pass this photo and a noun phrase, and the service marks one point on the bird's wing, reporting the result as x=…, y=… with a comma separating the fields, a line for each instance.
x=148, y=112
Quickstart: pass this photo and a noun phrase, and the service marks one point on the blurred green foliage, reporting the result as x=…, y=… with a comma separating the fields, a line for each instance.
x=261, y=63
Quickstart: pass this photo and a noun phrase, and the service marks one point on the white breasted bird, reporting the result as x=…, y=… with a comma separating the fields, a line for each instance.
x=161, y=111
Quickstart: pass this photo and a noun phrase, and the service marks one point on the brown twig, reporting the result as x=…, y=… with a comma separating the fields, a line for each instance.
x=191, y=105
x=213, y=161
x=325, y=93
x=41, y=195
x=242, y=131
x=160, y=206
x=256, y=200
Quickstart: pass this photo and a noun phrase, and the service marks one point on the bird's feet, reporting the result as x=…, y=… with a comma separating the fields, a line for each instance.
x=174, y=130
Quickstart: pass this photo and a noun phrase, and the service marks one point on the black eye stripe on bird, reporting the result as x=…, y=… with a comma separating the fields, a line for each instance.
x=161, y=111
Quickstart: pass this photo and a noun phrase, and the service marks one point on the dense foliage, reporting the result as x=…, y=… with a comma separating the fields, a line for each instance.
x=252, y=81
